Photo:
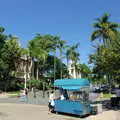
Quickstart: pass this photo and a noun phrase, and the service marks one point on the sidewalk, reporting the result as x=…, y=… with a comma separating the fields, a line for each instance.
x=38, y=112
x=29, y=112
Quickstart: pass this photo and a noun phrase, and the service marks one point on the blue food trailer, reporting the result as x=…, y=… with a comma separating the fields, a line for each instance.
x=77, y=100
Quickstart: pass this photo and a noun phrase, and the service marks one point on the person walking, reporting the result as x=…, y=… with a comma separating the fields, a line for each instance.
x=34, y=92
x=118, y=96
x=26, y=91
x=26, y=94
x=51, y=102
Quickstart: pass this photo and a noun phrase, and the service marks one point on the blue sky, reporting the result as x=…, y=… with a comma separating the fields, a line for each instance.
x=70, y=19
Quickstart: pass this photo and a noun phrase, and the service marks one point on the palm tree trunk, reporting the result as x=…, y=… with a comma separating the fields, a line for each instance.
x=37, y=71
x=67, y=61
x=32, y=67
x=54, y=65
x=76, y=71
x=61, y=64
x=109, y=80
x=67, y=66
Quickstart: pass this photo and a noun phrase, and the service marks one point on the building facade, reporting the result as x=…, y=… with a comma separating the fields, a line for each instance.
x=26, y=69
x=73, y=73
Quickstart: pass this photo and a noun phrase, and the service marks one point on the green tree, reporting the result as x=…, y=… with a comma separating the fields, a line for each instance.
x=70, y=52
x=40, y=48
x=104, y=56
x=73, y=55
x=49, y=68
x=105, y=30
x=106, y=61
x=10, y=57
x=3, y=37
x=61, y=46
x=85, y=70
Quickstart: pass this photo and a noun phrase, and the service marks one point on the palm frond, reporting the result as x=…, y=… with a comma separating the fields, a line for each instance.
x=105, y=17
x=96, y=25
x=96, y=34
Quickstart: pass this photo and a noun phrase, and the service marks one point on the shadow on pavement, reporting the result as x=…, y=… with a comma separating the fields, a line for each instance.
x=71, y=115
x=111, y=105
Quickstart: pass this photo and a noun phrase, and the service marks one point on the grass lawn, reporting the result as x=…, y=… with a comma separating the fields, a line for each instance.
x=14, y=94
x=106, y=95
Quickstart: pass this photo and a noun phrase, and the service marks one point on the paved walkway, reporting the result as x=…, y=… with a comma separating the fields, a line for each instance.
x=9, y=111
x=31, y=100
x=28, y=112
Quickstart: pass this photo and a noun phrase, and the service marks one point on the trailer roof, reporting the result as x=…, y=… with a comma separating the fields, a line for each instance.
x=72, y=84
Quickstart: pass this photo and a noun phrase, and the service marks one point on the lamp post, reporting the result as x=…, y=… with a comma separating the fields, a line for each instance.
x=25, y=71
x=49, y=85
x=25, y=85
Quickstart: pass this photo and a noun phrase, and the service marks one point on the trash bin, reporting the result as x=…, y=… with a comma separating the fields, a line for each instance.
x=96, y=108
x=114, y=101
x=99, y=108
x=93, y=109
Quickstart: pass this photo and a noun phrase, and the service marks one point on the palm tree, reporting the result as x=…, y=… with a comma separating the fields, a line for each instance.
x=33, y=52
x=105, y=30
x=39, y=48
x=85, y=70
x=3, y=37
x=75, y=58
x=61, y=46
x=70, y=51
x=55, y=45
x=73, y=55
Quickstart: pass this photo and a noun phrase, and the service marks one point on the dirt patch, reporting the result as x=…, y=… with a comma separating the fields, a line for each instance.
x=3, y=114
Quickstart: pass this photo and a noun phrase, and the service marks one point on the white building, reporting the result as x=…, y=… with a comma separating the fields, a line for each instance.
x=72, y=72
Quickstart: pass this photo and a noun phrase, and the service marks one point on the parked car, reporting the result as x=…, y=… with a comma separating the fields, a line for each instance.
x=104, y=89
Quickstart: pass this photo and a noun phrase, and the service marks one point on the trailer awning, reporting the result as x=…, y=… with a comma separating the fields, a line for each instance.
x=71, y=84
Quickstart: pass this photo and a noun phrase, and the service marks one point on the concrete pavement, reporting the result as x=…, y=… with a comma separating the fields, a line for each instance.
x=36, y=108
x=10, y=111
